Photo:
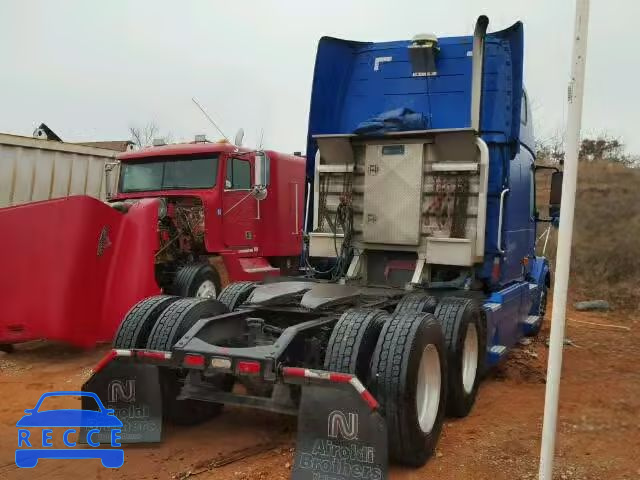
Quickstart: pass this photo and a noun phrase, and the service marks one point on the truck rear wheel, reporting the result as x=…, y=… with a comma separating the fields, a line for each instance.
x=178, y=318
x=353, y=341
x=417, y=302
x=235, y=294
x=465, y=334
x=134, y=330
x=409, y=370
x=196, y=280
x=172, y=324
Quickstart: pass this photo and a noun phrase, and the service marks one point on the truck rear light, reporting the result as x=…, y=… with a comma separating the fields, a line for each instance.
x=191, y=360
x=222, y=363
x=248, y=368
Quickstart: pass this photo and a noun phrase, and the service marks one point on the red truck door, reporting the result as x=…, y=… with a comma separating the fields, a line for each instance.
x=239, y=208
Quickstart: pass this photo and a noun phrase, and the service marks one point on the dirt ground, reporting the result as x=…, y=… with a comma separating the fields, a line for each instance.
x=599, y=420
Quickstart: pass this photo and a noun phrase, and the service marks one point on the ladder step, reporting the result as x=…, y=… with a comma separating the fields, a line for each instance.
x=494, y=307
x=496, y=353
x=498, y=350
x=532, y=319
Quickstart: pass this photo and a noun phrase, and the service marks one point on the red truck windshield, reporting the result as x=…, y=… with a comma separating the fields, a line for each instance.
x=169, y=173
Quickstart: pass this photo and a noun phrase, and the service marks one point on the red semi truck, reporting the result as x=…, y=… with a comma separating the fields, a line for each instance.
x=185, y=219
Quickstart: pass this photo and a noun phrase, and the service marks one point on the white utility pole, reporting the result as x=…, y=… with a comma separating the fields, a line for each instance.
x=563, y=255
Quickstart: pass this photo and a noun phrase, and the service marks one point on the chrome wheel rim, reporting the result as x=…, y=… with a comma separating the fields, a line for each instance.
x=207, y=289
x=470, y=358
x=428, y=388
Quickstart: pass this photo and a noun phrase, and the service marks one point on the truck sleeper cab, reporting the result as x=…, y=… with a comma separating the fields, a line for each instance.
x=430, y=236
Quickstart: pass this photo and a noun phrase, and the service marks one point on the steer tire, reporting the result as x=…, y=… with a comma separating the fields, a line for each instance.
x=191, y=280
x=460, y=318
x=134, y=330
x=353, y=341
x=235, y=294
x=417, y=302
x=172, y=324
x=396, y=368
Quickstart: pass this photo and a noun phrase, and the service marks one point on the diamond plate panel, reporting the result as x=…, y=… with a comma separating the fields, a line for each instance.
x=392, y=194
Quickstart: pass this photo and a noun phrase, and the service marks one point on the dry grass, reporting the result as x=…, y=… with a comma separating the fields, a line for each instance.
x=605, y=260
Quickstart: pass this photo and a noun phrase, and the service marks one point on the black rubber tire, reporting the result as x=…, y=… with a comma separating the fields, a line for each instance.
x=134, y=330
x=395, y=365
x=353, y=341
x=189, y=278
x=178, y=318
x=417, y=302
x=542, y=310
x=235, y=294
x=173, y=323
x=454, y=315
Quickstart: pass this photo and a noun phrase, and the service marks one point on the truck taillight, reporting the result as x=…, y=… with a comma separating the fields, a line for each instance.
x=191, y=360
x=248, y=368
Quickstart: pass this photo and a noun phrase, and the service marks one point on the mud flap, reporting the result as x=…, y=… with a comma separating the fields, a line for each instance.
x=339, y=436
x=133, y=391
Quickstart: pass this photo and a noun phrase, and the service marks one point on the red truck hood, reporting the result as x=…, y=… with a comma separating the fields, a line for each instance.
x=72, y=267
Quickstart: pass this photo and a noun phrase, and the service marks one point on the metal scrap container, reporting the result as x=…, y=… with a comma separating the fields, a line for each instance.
x=32, y=169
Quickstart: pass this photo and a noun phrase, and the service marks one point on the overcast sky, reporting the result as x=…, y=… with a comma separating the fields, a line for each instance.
x=91, y=69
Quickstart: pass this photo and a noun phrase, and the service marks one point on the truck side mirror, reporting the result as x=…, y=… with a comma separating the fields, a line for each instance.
x=260, y=176
x=555, y=195
x=261, y=169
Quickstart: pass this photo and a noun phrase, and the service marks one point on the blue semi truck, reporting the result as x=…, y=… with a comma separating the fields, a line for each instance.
x=420, y=270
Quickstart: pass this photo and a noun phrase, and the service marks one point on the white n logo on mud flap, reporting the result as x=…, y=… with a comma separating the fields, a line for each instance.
x=344, y=424
x=124, y=390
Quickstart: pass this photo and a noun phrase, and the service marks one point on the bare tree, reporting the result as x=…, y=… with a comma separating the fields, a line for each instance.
x=550, y=150
x=604, y=148
x=143, y=136
x=601, y=148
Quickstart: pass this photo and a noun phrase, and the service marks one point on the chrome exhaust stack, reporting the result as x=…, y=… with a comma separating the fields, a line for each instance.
x=479, y=35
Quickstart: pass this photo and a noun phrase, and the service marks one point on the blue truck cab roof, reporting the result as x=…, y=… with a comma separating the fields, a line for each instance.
x=355, y=81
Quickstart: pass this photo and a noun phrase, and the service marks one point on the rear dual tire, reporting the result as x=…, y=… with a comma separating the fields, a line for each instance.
x=235, y=294
x=178, y=318
x=157, y=323
x=464, y=329
x=409, y=379
x=417, y=302
x=134, y=330
x=353, y=341
x=402, y=359
x=174, y=322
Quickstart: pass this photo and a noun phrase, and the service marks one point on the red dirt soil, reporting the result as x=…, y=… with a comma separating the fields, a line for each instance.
x=598, y=426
